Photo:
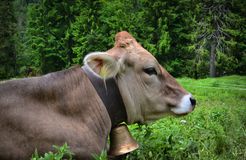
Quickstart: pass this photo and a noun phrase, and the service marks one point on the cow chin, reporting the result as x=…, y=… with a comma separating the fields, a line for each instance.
x=184, y=106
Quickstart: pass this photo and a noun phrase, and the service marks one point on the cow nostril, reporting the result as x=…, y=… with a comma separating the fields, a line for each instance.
x=193, y=101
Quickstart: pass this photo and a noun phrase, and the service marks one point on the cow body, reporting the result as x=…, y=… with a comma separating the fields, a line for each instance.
x=36, y=113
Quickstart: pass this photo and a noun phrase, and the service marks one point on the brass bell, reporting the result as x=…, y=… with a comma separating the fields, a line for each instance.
x=121, y=141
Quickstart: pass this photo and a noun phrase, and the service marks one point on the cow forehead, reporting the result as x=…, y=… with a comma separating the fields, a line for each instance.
x=146, y=59
x=127, y=46
x=136, y=57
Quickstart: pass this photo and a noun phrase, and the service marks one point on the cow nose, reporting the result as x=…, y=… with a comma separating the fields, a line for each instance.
x=193, y=101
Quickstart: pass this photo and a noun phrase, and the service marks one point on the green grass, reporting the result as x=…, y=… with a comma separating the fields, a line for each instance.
x=215, y=130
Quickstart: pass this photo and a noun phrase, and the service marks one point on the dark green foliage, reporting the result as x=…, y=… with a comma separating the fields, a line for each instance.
x=7, y=48
x=46, y=32
x=41, y=36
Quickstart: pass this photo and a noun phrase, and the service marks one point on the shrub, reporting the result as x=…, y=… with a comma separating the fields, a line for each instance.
x=60, y=153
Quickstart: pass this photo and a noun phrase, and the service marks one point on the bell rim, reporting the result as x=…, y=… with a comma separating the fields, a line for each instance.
x=124, y=149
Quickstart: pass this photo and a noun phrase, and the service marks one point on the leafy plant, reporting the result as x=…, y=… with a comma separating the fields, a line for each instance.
x=102, y=156
x=59, y=154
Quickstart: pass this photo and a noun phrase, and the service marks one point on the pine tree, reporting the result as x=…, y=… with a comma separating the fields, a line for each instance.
x=20, y=9
x=48, y=40
x=7, y=47
x=186, y=36
x=216, y=34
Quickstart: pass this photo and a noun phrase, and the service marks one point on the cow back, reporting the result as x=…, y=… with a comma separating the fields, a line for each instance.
x=36, y=113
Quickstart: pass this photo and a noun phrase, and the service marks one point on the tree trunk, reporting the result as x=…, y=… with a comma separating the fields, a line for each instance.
x=212, y=67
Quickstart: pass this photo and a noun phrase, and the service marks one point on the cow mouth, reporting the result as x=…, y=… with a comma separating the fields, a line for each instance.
x=181, y=114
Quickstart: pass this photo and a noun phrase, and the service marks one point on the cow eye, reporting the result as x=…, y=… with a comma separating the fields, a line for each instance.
x=150, y=71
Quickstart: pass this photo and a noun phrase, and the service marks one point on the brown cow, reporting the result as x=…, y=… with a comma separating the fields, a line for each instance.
x=71, y=106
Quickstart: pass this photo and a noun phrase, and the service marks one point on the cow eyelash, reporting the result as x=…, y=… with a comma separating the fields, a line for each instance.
x=150, y=71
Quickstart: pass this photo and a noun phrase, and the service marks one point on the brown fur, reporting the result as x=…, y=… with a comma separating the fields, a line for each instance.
x=166, y=91
x=36, y=113
x=125, y=40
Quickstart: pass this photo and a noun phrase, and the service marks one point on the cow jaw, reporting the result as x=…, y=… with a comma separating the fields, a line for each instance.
x=129, y=88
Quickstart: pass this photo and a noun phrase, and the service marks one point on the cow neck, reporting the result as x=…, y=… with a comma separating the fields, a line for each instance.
x=109, y=93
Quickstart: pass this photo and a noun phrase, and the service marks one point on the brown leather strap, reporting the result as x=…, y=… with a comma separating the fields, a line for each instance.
x=109, y=93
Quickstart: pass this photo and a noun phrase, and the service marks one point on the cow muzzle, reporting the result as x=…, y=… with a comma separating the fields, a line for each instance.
x=186, y=105
x=121, y=141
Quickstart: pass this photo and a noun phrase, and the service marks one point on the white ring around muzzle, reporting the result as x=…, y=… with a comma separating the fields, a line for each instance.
x=184, y=106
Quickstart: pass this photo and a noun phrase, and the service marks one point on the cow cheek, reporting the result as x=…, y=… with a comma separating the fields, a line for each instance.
x=155, y=108
x=132, y=96
x=155, y=113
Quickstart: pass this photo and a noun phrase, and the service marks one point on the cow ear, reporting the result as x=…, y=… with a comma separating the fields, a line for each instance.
x=103, y=64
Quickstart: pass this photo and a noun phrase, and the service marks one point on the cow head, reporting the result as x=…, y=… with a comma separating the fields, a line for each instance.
x=148, y=90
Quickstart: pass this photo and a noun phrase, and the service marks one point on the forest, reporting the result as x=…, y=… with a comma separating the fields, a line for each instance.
x=190, y=38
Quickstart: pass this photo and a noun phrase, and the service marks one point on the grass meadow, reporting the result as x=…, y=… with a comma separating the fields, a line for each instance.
x=216, y=130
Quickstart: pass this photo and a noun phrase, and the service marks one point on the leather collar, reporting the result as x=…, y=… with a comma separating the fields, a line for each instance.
x=109, y=93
